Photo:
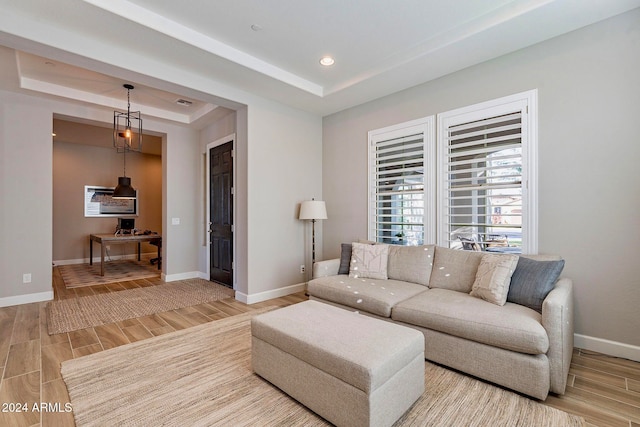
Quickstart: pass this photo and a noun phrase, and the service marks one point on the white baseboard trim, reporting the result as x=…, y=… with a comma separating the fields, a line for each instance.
x=26, y=299
x=611, y=348
x=97, y=259
x=267, y=295
x=180, y=276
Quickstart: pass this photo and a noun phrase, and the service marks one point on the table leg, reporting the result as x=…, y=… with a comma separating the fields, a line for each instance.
x=90, y=251
x=138, y=251
x=159, y=254
x=102, y=250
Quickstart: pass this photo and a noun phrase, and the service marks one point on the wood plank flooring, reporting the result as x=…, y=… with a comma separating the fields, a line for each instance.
x=603, y=389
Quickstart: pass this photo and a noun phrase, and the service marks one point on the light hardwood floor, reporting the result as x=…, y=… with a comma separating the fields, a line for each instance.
x=604, y=390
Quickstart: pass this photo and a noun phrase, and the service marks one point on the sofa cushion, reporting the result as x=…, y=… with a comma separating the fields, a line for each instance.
x=511, y=326
x=493, y=277
x=532, y=281
x=370, y=295
x=410, y=263
x=454, y=269
x=369, y=261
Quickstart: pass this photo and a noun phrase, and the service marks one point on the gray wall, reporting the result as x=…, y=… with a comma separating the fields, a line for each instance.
x=26, y=194
x=25, y=199
x=77, y=165
x=589, y=92
x=278, y=154
x=279, y=165
x=283, y=149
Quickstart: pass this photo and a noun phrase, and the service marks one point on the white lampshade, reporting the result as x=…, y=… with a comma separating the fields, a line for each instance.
x=313, y=209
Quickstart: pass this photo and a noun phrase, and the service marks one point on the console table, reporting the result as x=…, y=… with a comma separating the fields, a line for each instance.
x=108, y=239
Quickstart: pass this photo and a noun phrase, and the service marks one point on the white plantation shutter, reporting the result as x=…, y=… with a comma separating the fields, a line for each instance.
x=487, y=163
x=402, y=183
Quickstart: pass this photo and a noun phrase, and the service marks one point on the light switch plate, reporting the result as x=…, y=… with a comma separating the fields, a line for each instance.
x=175, y=221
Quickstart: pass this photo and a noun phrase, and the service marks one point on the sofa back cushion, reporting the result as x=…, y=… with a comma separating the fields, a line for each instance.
x=454, y=269
x=411, y=263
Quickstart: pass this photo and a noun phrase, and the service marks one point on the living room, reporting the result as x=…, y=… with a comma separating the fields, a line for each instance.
x=587, y=91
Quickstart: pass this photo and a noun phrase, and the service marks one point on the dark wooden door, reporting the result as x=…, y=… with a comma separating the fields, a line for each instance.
x=221, y=213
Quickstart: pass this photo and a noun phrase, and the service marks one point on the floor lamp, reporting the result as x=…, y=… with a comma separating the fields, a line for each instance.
x=313, y=210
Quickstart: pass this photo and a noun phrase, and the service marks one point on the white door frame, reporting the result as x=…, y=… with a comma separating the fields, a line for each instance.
x=229, y=138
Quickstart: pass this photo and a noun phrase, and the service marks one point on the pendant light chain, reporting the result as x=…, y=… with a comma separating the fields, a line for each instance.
x=129, y=113
x=124, y=166
x=127, y=141
x=123, y=141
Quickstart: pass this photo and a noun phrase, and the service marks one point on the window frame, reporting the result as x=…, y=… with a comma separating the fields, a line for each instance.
x=434, y=130
x=426, y=127
x=526, y=104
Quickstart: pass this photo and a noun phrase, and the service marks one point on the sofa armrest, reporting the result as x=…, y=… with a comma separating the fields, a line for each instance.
x=326, y=268
x=557, y=319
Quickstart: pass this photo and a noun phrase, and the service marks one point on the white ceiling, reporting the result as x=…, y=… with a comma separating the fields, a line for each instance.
x=68, y=48
x=57, y=78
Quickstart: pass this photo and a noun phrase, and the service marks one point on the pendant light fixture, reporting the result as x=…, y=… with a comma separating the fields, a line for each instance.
x=127, y=136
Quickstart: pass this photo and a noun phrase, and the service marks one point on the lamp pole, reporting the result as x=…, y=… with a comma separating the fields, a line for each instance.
x=313, y=245
x=313, y=210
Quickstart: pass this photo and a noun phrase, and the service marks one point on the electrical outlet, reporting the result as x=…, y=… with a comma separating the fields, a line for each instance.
x=26, y=278
x=302, y=269
x=108, y=248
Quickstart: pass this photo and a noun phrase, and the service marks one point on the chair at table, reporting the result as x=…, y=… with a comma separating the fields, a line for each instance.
x=158, y=259
x=469, y=244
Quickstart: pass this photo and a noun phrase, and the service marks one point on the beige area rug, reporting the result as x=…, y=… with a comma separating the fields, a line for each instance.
x=78, y=275
x=202, y=377
x=84, y=312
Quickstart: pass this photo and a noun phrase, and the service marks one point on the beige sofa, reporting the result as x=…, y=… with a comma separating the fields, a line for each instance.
x=483, y=314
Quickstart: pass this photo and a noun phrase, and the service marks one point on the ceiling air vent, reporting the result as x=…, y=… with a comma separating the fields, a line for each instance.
x=184, y=102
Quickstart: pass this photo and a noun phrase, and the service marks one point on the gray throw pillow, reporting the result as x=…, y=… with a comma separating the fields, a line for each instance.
x=345, y=258
x=532, y=281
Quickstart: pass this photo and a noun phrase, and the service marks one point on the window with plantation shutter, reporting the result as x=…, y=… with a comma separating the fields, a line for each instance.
x=487, y=190
x=402, y=183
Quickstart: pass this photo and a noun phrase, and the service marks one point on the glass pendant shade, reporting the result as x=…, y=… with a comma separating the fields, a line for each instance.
x=127, y=127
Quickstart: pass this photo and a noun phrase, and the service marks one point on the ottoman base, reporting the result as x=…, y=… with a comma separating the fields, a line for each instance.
x=325, y=393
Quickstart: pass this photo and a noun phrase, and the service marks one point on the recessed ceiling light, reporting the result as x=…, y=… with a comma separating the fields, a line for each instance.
x=327, y=61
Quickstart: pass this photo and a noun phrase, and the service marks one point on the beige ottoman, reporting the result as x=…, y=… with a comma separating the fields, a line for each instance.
x=350, y=369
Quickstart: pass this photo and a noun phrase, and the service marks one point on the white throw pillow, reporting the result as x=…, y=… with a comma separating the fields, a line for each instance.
x=369, y=261
x=493, y=277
